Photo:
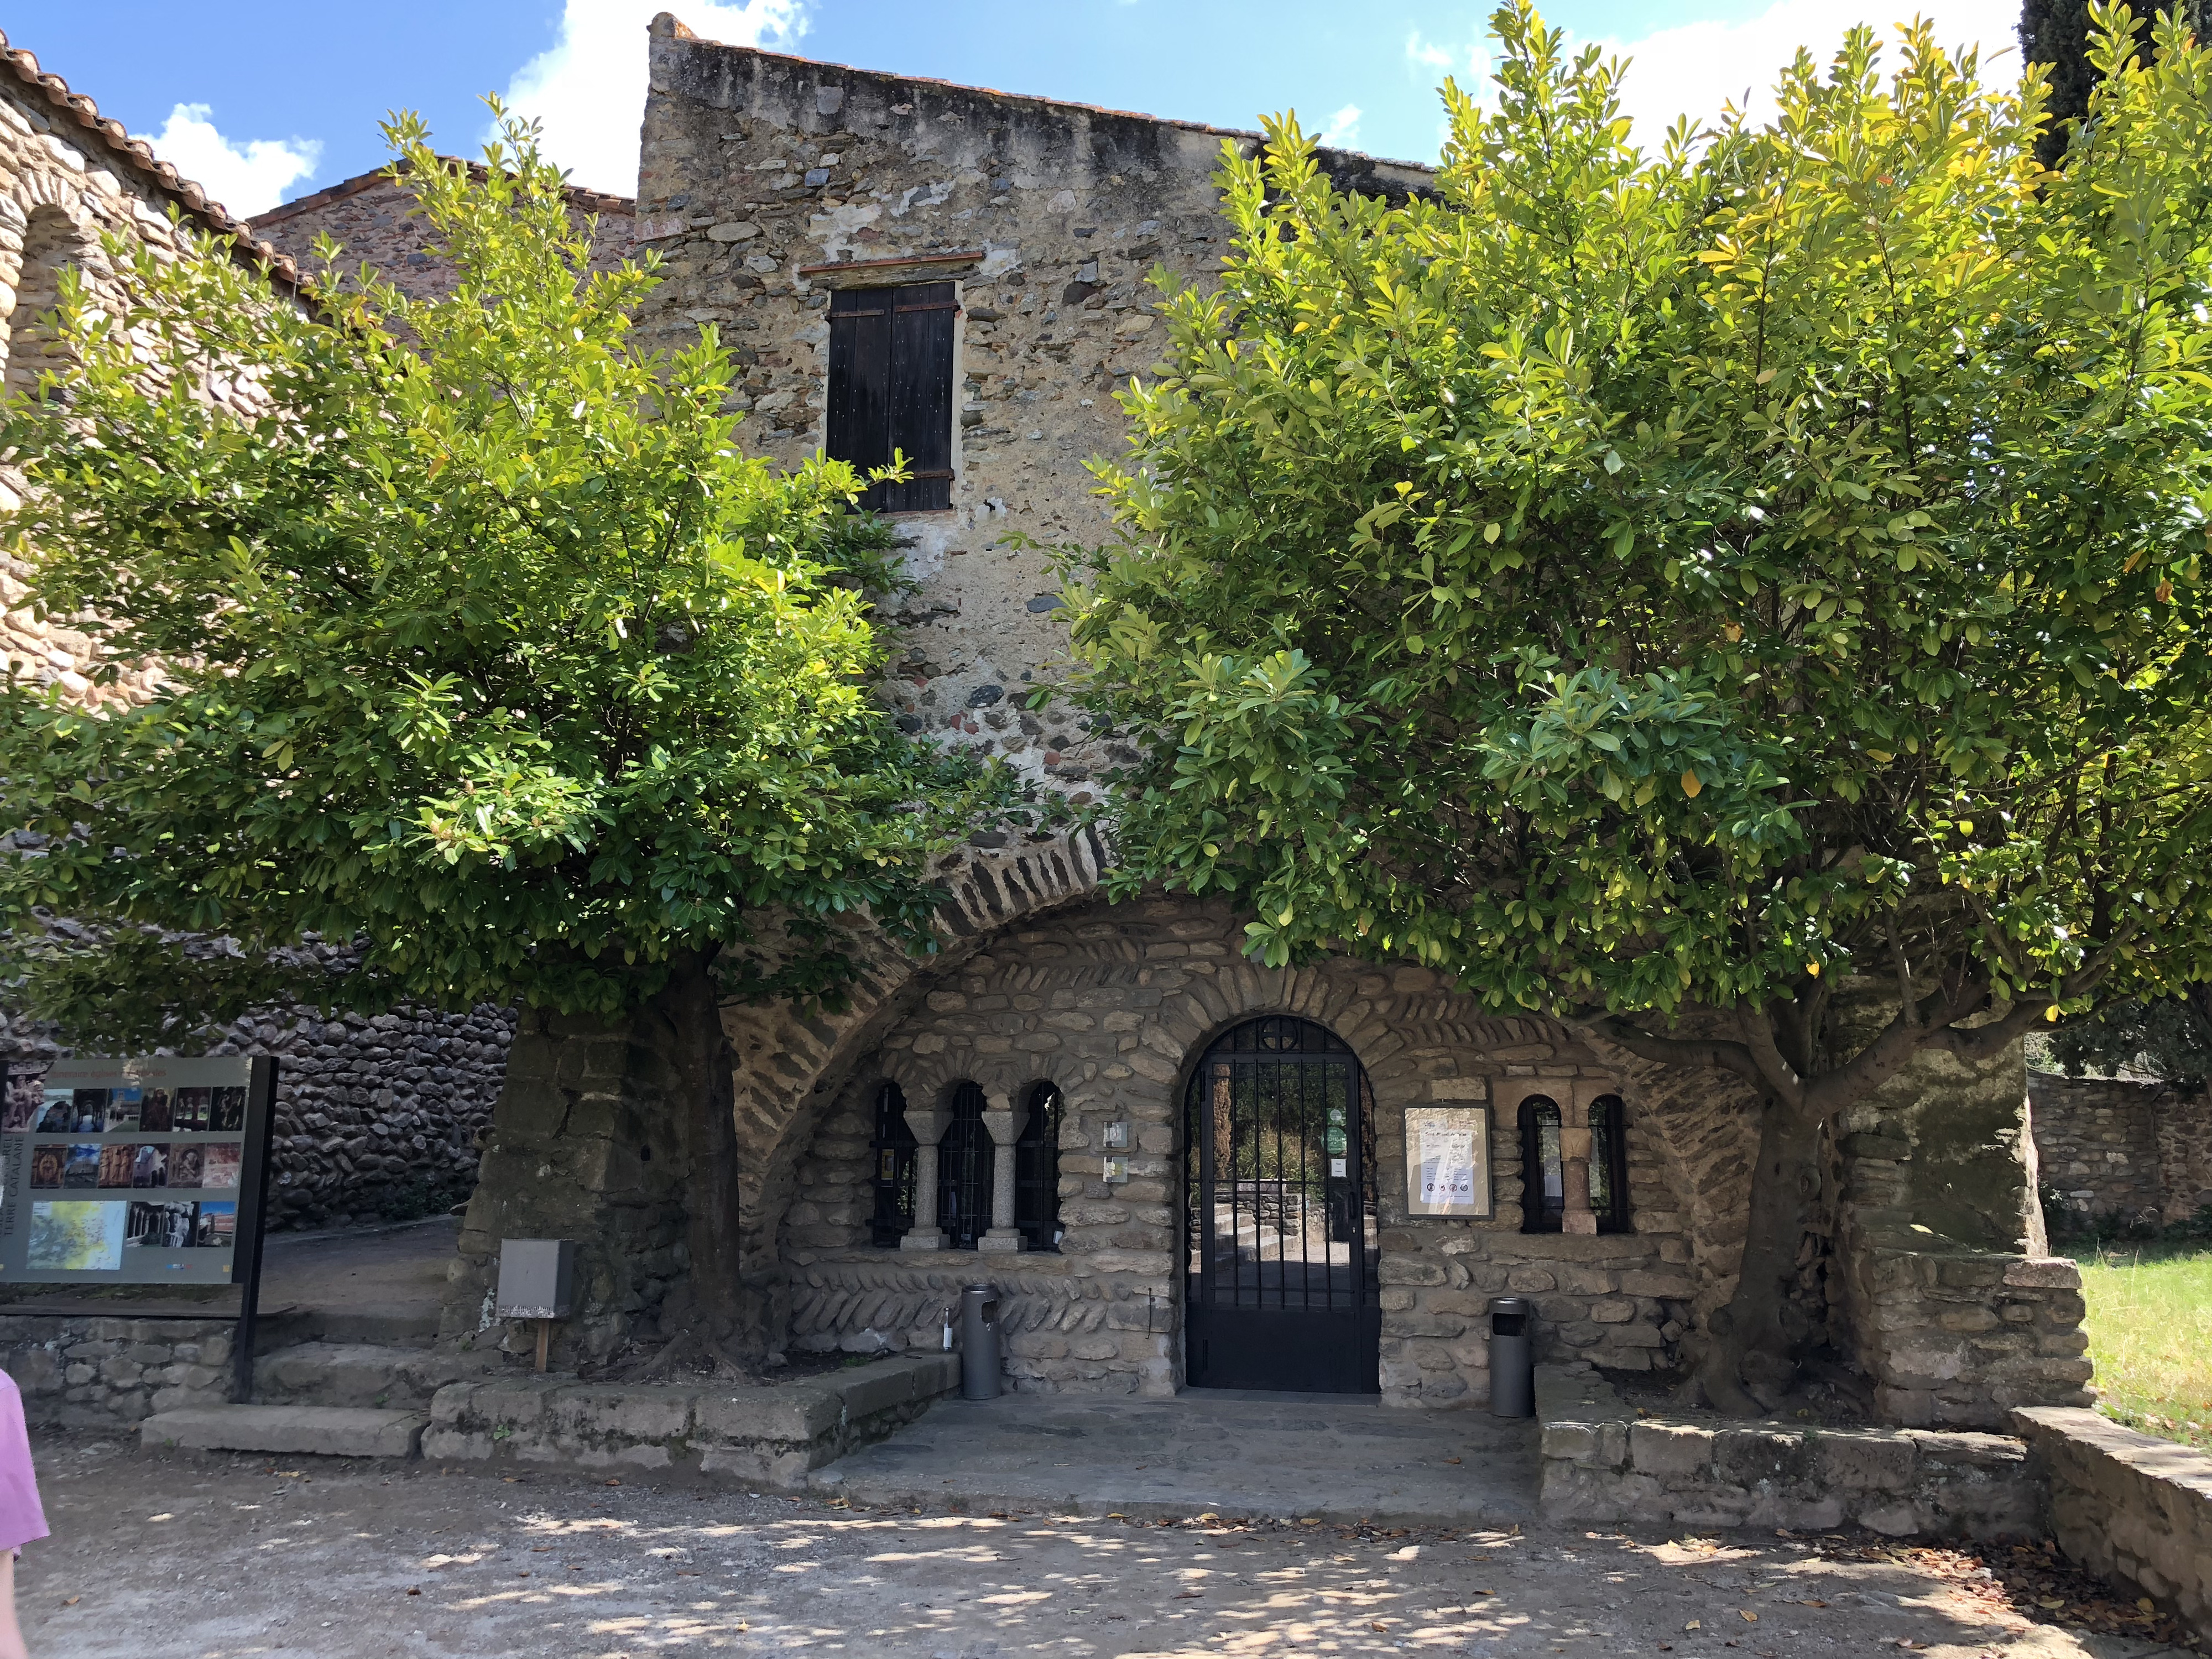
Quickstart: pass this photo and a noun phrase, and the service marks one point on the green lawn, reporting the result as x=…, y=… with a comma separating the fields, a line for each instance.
x=2150, y=1333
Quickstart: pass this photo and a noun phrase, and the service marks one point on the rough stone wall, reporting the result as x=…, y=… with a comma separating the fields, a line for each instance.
x=65, y=182
x=372, y=218
x=759, y=167
x=1113, y=1005
x=91, y=1372
x=2127, y=1506
x=1940, y=1284
x=2129, y=1149
x=376, y=1116
x=580, y=1150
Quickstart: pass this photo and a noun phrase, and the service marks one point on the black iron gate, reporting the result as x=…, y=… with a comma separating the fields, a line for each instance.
x=1280, y=1214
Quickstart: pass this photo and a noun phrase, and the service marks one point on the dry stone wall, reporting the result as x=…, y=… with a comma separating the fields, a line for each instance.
x=2127, y=1150
x=376, y=1116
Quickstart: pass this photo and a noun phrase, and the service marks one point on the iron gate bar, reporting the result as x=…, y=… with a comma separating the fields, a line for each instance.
x=1270, y=1304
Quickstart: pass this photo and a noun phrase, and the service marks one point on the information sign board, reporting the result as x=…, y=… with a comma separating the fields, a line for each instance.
x=1447, y=1161
x=142, y=1172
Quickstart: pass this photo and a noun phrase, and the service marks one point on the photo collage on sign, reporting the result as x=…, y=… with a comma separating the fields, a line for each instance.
x=156, y=1178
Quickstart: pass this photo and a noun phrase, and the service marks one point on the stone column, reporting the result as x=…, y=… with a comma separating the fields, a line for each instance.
x=1574, y=1165
x=928, y=1128
x=1006, y=1119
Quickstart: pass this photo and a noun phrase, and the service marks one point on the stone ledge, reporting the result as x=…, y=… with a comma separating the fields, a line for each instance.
x=2127, y=1505
x=764, y=1436
x=1603, y=1461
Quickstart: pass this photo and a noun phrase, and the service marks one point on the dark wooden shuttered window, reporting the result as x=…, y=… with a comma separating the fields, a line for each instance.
x=891, y=388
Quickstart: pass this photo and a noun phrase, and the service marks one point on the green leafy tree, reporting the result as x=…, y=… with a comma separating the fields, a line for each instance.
x=1692, y=595
x=485, y=654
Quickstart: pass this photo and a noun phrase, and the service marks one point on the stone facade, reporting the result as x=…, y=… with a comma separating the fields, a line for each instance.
x=67, y=178
x=1113, y=1005
x=371, y=218
x=768, y=183
x=767, y=180
x=2127, y=1150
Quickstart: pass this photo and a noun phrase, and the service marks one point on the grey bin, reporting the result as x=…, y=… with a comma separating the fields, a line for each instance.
x=979, y=1342
x=1512, y=1358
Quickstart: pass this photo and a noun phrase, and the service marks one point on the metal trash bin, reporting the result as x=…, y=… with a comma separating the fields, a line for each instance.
x=979, y=1342
x=1512, y=1358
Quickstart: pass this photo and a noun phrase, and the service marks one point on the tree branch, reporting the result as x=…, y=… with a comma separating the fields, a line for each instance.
x=1675, y=1051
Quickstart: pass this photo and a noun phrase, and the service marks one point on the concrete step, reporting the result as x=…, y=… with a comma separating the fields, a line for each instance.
x=362, y=1374
x=320, y=1431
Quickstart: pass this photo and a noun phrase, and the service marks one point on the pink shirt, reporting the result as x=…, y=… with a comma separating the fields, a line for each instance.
x=22, y=1519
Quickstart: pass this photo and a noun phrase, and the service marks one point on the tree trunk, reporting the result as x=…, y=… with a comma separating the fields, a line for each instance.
x=1753, y=1340
x=701, y=1089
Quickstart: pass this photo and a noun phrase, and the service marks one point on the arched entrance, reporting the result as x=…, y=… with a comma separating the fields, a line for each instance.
x=1280, y=1223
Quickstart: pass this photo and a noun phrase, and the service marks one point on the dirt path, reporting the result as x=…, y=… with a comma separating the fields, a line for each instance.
x=200, y=1556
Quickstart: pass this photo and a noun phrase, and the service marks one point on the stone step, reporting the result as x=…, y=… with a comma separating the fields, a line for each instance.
x=363, y=1374
x=392, y=1325
x=318, y=1431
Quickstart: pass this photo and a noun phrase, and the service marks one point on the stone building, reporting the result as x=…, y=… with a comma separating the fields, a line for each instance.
x=1179, y=1167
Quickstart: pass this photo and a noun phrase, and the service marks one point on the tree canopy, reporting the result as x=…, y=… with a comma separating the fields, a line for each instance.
x=485, y=652
x=1653, y=588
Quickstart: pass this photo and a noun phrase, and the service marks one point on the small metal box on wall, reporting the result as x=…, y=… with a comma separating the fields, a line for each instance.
x=537, y=1277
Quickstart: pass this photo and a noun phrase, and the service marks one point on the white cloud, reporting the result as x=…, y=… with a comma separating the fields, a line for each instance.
x=1428, y=61
x=589, y=88
x=246, y=178
x=1342, y=132
x=1696, y=69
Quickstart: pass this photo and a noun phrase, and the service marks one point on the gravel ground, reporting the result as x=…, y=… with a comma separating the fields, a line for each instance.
x=208, y=1556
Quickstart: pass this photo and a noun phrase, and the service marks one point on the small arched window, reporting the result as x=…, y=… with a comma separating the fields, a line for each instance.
x=893, y=1176
x=51, y=243
x=1037, y=1171
x=1543, y=1174
x=964, y=1171
x=1543, y=1182
x=1609, y=1174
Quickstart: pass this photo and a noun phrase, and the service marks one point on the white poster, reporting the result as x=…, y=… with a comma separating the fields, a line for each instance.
x=1447, y=1161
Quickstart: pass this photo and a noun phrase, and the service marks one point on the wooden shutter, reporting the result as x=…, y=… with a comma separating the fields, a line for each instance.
x=891, y=388
x=861, y=376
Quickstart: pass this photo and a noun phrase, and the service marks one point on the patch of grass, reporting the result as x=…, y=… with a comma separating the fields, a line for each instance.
x=2150, y=1334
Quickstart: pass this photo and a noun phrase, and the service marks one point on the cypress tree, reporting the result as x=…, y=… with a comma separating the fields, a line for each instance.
x=2057, y=32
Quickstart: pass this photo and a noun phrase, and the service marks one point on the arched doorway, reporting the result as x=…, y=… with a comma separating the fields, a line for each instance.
x=1280, y=1221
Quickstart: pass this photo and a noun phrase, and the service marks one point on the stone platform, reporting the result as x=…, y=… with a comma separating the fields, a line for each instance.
x=1604, y=1460
x=1339, y=1457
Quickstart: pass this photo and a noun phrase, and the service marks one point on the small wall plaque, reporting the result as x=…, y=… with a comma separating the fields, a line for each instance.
x=1118, y=1137
x=1117, y=1169
x=1448, y=1162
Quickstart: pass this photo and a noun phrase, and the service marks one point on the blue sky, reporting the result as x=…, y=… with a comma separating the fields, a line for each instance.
x=263, y=102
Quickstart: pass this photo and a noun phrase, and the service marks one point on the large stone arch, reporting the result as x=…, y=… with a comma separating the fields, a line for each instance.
x=580, y=1146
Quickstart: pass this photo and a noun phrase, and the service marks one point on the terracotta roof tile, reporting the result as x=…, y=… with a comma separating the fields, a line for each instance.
x=76, y=111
